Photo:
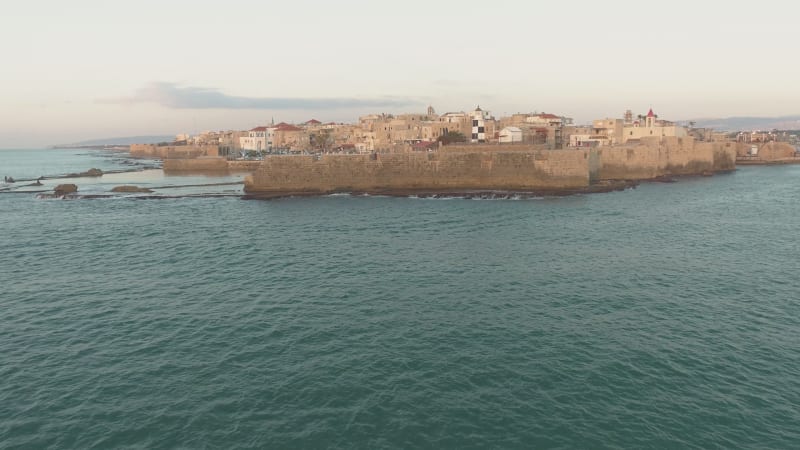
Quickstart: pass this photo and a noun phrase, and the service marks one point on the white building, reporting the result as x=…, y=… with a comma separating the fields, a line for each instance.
x=257, y=140
x=509, y=135
x=545, y=119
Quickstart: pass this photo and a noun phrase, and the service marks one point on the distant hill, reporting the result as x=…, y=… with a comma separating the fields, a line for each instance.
x=750, y=123
x=120, y=141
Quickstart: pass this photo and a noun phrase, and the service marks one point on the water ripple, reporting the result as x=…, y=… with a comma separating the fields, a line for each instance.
x=664, y=316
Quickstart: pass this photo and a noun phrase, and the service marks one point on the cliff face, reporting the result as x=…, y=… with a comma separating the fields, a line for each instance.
x=500, y=168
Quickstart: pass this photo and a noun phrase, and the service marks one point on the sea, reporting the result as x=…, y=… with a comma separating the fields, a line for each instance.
x=663, y=316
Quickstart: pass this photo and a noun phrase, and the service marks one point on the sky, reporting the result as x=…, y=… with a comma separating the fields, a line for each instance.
x=85, y=69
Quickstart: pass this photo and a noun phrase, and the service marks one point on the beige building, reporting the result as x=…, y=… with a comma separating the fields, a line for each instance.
x=289, y=137
x=586, y=137
x=230, y=143
x=650, y=126
x=611, y=131
x=606, y=131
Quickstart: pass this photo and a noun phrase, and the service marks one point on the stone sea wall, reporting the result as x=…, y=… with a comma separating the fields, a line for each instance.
x=434, y=172
x=208, y=164
x=201, y=164
x=493, y=148
x=172, y=151
x=488, y=167
x=769, y=151
x=659, y=157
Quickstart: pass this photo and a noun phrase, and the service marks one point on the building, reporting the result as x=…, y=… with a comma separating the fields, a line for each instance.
x=479, y=128
x=289, y=137
x=606, y=131
x=230, y=143
x=649, y=126
x=256, y=140
x=510, y=135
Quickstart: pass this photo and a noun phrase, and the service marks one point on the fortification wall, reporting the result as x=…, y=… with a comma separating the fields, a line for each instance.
x=503, y=148
x=663, y=156
x=474, y=168
x=421, y=172
x=243, y=166
x=773, y=151
x=201, y=164
x=172, y=151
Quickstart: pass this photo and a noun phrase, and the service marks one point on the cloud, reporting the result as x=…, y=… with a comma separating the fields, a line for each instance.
x=171, y=95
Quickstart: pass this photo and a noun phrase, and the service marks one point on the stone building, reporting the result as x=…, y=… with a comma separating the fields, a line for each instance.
x=650, y=126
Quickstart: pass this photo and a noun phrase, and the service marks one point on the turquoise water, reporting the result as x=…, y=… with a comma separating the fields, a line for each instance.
x=663, y=316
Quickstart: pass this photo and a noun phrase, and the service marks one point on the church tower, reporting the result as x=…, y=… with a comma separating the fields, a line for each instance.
x=650, y=119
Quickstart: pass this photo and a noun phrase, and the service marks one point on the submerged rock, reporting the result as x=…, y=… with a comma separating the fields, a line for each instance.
x=64, y=189
x=127, y=188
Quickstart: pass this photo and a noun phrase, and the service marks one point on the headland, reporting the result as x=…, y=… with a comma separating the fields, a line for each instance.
x=465, y=154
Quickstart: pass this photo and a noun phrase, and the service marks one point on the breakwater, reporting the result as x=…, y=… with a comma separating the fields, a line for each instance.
x=208, y=164
x=172, y=151
x=469, y=168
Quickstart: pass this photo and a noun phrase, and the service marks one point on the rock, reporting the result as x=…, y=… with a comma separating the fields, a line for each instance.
x=64, y=189
x=89, y=173
x=130, y=189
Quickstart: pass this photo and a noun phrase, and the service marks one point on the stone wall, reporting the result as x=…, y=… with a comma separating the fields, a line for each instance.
x=498, y=147
x=209, y=164
x=667, y=156
x=172, y=151
x=202, y=164
x=490, y=167
x=243, y=166
x=421, y=172
x=772, y=151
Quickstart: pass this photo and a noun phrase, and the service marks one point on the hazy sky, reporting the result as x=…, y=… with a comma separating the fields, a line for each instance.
x=83, y=69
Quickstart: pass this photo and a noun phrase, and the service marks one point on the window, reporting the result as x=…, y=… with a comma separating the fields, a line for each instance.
x=474, y=123
x=481, y=129
x=474, y=135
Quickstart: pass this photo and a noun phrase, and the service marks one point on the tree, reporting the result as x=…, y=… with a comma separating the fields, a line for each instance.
x=321, y=140
x=452, y=137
